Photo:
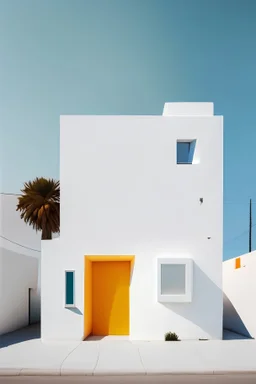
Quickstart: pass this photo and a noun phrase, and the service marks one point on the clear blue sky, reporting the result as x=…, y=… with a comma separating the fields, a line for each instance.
x=128, y=57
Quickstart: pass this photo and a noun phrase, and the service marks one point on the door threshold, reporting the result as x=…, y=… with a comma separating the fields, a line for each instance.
x=108, y=338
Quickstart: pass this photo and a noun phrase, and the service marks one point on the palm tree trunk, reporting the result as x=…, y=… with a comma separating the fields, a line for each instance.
x=46, y=234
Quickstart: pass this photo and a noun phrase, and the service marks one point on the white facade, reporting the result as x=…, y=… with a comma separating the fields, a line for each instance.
x=19, y=254
x=123, y=193
x=239, y=288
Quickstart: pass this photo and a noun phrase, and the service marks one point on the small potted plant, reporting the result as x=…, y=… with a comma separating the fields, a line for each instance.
x=171, y=336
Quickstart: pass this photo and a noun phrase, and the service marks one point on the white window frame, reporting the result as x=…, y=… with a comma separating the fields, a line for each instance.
x=74, y=275
x=176, y=298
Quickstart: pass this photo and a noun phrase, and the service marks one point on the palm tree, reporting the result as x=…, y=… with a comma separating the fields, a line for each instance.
x=39, y=205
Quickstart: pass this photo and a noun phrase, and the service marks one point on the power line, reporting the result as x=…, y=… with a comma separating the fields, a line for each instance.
x=225, y=202
x=237, y=237
x=11, y=241
x=240, y=235
x=238, y=202
x=225, y=242
x=20, y=245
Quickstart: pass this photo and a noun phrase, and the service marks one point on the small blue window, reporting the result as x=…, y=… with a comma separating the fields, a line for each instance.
x=70, y=280
x=185, y=151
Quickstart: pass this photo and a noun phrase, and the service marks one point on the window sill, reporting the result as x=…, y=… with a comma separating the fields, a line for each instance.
x=70, y=306
x=185, y=298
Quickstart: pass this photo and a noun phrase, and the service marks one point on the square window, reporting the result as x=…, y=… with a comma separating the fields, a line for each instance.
x=70, y=288
x=175, y=280
x=185, y=151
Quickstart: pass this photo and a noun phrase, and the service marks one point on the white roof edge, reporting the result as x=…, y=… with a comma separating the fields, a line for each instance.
x=174, y=109
x=188, y=109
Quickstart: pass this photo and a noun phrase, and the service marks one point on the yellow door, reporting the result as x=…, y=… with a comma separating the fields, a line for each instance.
x=110, y=298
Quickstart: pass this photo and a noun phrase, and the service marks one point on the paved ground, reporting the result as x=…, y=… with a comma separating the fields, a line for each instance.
x=195, y=379
x=23, y=353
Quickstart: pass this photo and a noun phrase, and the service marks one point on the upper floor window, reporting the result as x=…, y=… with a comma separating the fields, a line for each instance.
x=185, y=151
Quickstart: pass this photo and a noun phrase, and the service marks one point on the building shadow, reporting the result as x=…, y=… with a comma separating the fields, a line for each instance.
x=74, y=310
x=208, y=302
x=230, y=335
x=205, y=307
x=24, y=334
x=107, y=338
x=232, y=322
x=94, y=338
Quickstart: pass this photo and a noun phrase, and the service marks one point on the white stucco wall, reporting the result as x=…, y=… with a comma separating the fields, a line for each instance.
x=19, y=254
x=18, y=273
x=122, y=193
x=239, y=288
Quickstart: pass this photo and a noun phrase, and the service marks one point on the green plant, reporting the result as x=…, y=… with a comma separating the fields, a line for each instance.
x=171, y=336
x=39, y=206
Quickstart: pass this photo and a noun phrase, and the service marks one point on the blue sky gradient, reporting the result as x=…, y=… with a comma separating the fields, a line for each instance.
x=128, y=57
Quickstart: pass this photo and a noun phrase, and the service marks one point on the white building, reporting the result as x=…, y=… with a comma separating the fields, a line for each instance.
x=19, y=255
x=140, y=249
x=239, y=288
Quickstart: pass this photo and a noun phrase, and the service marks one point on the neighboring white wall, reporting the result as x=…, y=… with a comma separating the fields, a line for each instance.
x=239, y=286
x=14, y=228
x=18, y=273
x=14, y=233
x=122, y=193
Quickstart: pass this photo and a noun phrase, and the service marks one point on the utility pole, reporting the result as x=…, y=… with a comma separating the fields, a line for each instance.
x=250, y=227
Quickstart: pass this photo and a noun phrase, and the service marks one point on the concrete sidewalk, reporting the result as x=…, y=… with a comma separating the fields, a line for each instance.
x=23, y=353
